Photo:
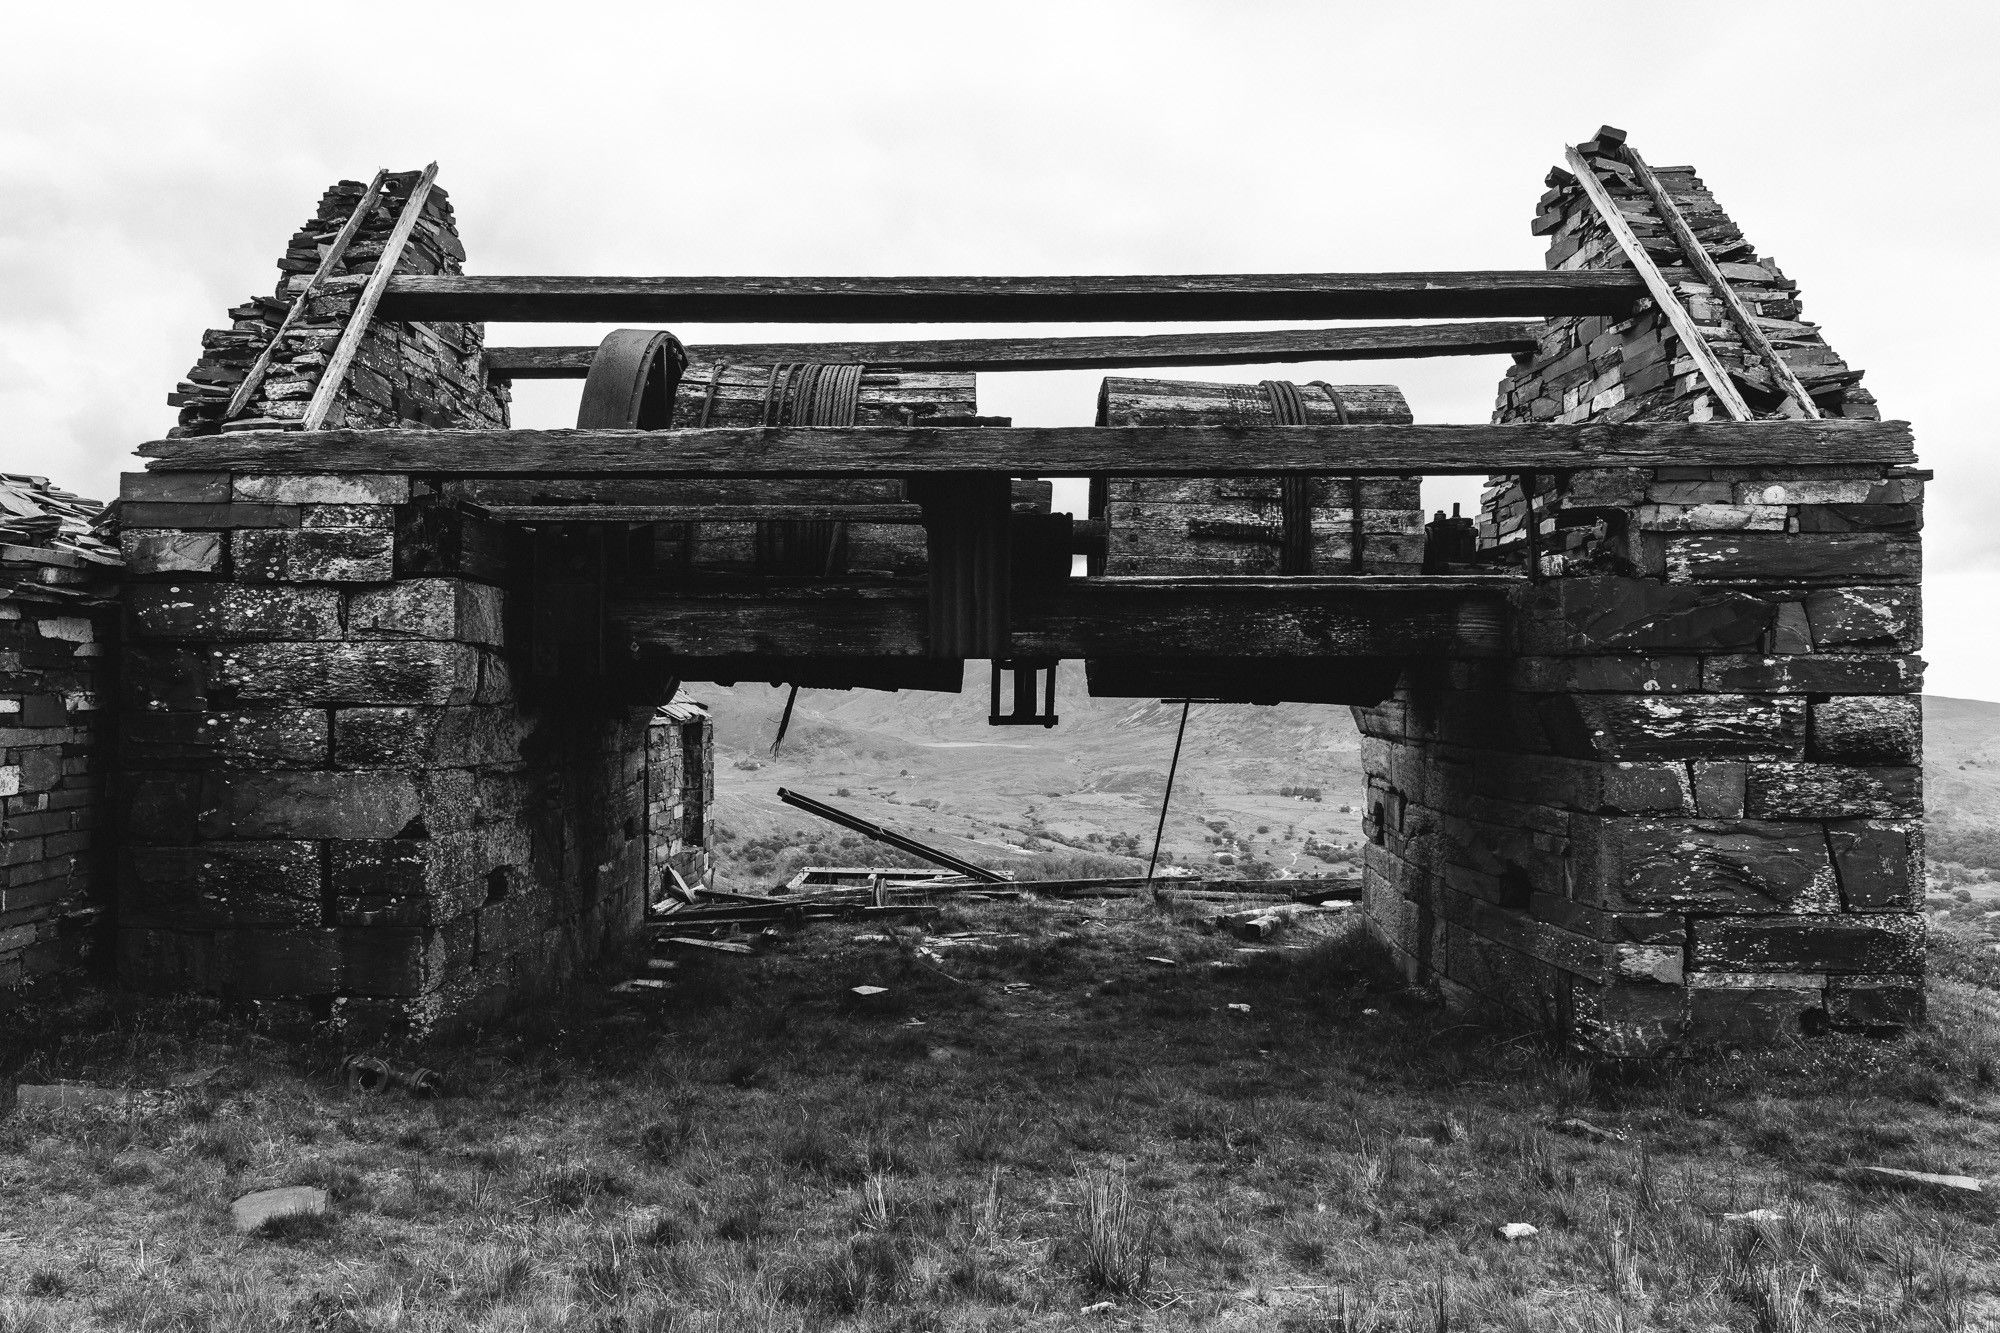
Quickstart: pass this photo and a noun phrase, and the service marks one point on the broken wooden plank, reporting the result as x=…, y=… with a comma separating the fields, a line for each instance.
x=986, y=300
x=377, y=282
x=867, y=451
x=878, y=833
x=1656, y=283
x=718, y=946
x=1261, y=348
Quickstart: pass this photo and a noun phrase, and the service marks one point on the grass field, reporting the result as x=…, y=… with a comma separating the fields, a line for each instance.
x=1045, y=1132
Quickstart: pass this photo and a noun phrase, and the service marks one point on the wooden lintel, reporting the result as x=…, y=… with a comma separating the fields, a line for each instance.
x=1048, y=451
x=706, y=513
x=1485, y=294
x=1264, y=347
x=1159, y=619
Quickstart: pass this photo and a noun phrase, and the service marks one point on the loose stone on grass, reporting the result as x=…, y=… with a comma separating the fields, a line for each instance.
x=253, y=1210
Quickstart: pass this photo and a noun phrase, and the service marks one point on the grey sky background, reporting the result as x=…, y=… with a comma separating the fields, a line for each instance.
x=155, y=158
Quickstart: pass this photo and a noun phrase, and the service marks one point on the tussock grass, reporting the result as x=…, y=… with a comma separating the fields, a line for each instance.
x=1062, y=1126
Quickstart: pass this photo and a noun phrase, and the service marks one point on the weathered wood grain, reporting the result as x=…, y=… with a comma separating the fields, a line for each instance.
x=372, y=288
x=1044, y=451
x=1711, y=273
x=1692, y=340
x=740, y=393
x=1276, y=618
x=979, y=300
x=749, y=513
x=1264, y=347
x=1126, y=401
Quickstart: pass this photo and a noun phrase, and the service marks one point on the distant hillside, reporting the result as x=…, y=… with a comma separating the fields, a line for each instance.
x=930, y=765
x=1962, y=780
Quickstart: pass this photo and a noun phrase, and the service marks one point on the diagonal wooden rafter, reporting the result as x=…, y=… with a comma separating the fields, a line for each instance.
x=371, y=296
x=1710, y=272
x=1663, y=294
x=335, y=252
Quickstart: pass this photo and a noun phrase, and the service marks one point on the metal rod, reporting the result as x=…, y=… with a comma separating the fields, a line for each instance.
x=1168, y=795
x=889, y=836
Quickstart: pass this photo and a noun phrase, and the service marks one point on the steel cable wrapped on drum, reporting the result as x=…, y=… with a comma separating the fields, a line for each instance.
x=1317, y=523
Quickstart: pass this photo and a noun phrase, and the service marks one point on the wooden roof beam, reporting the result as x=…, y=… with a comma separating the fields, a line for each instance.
x=1288, y=618
x=1488, y=294
x=1045, y=451
x=1271, y=347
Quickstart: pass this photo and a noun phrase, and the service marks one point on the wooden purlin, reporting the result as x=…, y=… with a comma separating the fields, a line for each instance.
x=1446, y=294
x=1044, y=451
x=1663, y=294
x=335, y=252
x=335, y=373
x=1264, y=347
x=1709, y=271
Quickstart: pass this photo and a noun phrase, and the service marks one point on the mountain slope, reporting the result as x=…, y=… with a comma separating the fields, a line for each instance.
x=929, y=765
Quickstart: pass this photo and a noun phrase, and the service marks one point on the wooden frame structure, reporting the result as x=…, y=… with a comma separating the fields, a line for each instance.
x=1641, y=749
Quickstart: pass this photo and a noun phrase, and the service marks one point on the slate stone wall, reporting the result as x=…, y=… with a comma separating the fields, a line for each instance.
x=340, y=794
x=56, y=664
x=680, y=795
x=1689, y=811
x=430, y=374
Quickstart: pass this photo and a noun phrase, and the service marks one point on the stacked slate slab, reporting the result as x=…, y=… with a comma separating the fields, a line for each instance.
x=427, y=374
x=58, y=635
x=1688, y=812
x=341, y=796
x=680, y=794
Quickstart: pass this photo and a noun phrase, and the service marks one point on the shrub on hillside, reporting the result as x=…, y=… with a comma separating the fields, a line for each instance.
x=1977, y=847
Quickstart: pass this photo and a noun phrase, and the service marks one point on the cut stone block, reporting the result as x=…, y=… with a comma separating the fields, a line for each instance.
x=1854, y=944
x=309, y=805
x=228, y=611
x=253, y=1210
x=1831, y=791
x=1681, y=726
x=165, y=551
x=1868, y=729
x=315, y=555
x=354, y=488
x=336, y=674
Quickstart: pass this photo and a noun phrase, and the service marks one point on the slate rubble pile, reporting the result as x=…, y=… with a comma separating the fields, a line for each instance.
x=419, y=374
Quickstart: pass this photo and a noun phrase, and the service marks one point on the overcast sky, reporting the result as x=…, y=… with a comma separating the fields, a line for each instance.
x=155, y=158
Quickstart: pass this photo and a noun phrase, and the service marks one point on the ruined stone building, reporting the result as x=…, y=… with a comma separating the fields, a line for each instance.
x=390, y=746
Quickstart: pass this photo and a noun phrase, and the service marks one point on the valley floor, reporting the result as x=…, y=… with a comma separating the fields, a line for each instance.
x=1038, y=1127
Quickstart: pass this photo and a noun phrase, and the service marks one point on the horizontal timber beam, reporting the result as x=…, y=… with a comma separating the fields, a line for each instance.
x=1157, y=618
x=1489, y=294
x=1266, y=347
x=718, y=513
x=1044, y=451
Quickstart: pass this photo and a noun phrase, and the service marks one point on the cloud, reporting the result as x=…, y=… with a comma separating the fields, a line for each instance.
x=157, y=158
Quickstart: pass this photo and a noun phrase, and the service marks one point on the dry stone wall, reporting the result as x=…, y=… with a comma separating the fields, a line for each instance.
x=341, y=794
x=58, y=637
x=420, y=374
x=680, y=794
x=1689, y=811
x=337, y=791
